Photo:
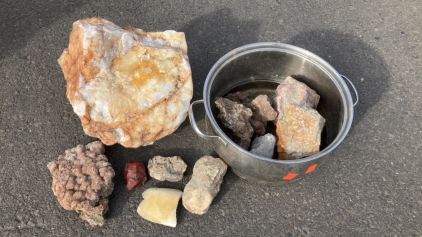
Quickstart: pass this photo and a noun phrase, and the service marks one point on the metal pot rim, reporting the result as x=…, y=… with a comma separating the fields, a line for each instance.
x=300, y=52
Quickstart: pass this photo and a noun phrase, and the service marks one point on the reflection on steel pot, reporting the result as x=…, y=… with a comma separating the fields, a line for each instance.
x=264, y=66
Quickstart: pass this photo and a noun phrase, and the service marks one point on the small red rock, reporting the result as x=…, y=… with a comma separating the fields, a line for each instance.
x=135, y=174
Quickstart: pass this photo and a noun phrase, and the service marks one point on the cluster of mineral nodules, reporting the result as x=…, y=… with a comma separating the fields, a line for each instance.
x=248, y=121
x=82, y=181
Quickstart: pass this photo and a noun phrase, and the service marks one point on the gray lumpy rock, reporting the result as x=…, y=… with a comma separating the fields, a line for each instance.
x=264, y=145
x=207, y=177
x=167, y=168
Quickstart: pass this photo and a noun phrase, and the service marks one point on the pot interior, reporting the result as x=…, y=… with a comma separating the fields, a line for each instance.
x=263, y=69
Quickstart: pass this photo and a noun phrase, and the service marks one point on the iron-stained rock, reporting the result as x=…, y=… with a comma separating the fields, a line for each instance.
x=299, y=132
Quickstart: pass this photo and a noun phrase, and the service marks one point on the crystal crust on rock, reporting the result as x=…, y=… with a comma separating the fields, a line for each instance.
x=126, y=85
x=299, y=132
x=82, y=181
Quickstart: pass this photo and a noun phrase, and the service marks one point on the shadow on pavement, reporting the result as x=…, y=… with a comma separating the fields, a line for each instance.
x=211, y=36
x=19, y=22
x=355, y=59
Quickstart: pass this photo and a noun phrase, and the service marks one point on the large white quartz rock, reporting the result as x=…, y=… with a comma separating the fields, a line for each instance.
x=126, y=85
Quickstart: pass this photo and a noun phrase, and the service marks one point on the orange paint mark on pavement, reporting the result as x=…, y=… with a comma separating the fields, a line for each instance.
x=290, y=176
x=310, y=169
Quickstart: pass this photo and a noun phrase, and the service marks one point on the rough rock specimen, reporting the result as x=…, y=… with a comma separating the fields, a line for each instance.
x=167, y=168
x=126, y=85
x=262, y=109
x=238, y=97
x=160, y=205
x=135, y=174
x=236, y=117
x=299, y=132
x=82, y=181
x=264, y=145
x=262, y=112
x=294, y=92
x=207, y=176
x=258, y=127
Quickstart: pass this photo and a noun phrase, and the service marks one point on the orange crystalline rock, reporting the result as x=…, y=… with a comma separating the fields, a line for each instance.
x=299, y=132
x=135, y=174
x=126, y=85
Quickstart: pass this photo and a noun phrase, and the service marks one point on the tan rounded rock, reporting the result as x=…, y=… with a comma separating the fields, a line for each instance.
x=207, y=177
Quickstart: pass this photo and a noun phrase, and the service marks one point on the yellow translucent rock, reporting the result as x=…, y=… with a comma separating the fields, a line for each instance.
x=159, y=205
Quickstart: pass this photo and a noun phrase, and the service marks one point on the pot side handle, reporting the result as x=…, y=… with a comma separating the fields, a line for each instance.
x=354, y=88
x=195, y=126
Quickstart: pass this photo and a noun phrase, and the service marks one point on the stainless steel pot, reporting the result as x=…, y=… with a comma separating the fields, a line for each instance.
x=266, y=63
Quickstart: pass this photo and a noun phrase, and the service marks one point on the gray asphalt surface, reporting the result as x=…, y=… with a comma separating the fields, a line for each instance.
x=369, y=186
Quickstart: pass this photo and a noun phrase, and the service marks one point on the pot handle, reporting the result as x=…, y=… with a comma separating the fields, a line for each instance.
x=354, y=88
x=195, y=126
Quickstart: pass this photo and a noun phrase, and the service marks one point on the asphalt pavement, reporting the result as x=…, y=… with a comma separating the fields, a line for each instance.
x=369, y=186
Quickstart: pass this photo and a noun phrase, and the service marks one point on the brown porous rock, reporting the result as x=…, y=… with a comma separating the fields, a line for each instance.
x=167, y=168
x=236, y=117
x=294, y=92
x=238, y=97
x=82, y=181
x=207, y=177
x=126, y=85
x=299, y=132
x=258, y=127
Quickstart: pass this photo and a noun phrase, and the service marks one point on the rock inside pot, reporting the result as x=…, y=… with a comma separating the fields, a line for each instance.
x=293, y=111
